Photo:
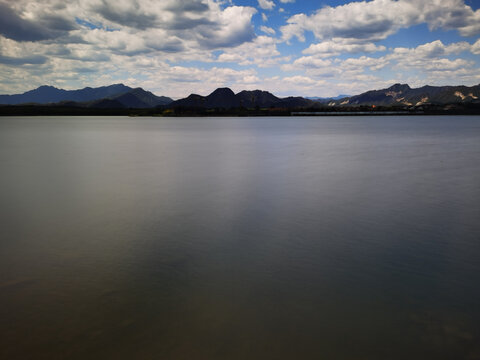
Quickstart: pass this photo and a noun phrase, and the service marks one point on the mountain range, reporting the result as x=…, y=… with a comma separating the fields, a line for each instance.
x=402, y=94
x=119, y=96
x=227, y=99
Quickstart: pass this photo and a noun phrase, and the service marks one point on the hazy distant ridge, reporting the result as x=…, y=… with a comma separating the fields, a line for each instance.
x=117, y=95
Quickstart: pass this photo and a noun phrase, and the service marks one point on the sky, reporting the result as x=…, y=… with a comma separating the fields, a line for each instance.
x=288, y=47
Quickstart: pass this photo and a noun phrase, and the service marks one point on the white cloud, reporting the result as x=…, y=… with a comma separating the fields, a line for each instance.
x=450, y=15
x=446, y=64
x=335, y=48
x=262, y=51
x=362, y=21
x=266, y=4
x=301, y=80
x=233, y=28
x=364, y=62
x=427, y=62
x=433, y=63
x=306, y=62
x=476, y=48
x=117, y=41
x=319, y=67
x=267, y=30
x=202, y=23
x=377, y=19
x=430, y=50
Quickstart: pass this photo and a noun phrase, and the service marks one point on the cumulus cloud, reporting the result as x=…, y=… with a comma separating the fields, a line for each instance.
x=430, y=50
x=34, y=60
x=262, y=51
x=350, y=68
x=16, y=27
x=432, y=58
x=476, y=48
x=377, y=19
x=268, y=30
x=301, y=80
x=233, y=27
x=363, y=62
x=363, y=21
x=450, y=15
x=126, y=13
x=308, y=62
x=202, y=23
x=335, y=48
x=266, y=4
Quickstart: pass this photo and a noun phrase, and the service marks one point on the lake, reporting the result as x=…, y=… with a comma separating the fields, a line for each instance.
x=240, y=238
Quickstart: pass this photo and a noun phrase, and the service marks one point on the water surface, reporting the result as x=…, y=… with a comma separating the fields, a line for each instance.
x=240, y=238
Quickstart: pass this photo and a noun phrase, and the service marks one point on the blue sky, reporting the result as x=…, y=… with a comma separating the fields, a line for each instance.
x=288, y=47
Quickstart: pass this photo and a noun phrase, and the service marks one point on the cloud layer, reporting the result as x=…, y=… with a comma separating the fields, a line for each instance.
x=174, y=47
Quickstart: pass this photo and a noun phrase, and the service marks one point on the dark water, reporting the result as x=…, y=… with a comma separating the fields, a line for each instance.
x=240, y=238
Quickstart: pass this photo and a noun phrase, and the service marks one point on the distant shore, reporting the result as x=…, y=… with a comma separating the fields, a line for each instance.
x=46, y=110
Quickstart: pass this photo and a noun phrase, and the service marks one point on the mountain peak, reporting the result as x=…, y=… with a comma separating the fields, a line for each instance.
x=399, y=87
x=46, y=87
x=222, y=97
x=252, y=98
x=223, y=92
x=119, y=85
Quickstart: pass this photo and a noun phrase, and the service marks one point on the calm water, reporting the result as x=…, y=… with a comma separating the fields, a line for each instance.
x=240, y=238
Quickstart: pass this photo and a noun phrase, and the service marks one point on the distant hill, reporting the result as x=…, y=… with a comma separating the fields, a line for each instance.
x=121, y=95
x=402, y=94
x=251, y=99
x=141, y=99
x=225, y=98
x=50, y=94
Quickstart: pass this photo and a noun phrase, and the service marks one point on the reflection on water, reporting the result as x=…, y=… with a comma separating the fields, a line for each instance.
x=240, y=238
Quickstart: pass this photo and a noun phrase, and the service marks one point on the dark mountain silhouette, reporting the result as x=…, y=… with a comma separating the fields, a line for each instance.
x=141, y=99
x=193, y=100
x=104, y=104
x=50, y=94
x=225, y=98
x=251, y=99
x=119, y=96
x=296, y=102
x=402, y=94
x=222, y=97
x=124, y=95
